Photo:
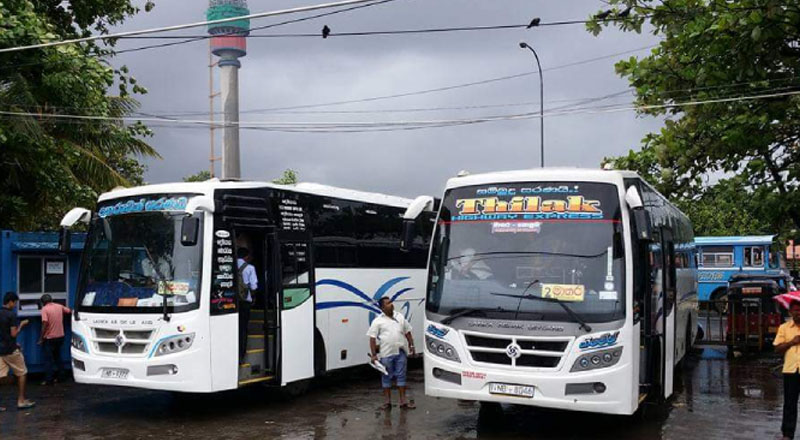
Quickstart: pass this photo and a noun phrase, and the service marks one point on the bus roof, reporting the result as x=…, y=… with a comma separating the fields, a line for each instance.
x=209, y=186
x=542, y=174
x=731, y=240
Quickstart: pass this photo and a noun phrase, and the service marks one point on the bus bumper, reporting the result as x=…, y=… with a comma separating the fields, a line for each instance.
x=555, y=389
x=187, y=371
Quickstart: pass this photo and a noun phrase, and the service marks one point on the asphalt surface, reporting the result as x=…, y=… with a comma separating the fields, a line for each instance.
x=716, y=398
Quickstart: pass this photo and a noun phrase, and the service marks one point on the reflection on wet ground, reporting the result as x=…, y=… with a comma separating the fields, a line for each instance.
x=716, y=398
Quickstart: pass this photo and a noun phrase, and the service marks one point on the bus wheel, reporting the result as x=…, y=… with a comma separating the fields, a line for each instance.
x=296, y=389
x=700, y=334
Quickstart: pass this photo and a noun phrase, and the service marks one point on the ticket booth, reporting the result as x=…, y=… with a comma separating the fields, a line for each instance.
x=31, y=265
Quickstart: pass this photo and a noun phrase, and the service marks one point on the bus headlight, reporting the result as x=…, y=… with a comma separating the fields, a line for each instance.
x=174, y=344
x=441, y=349
x=78, y=344
x=597, y=359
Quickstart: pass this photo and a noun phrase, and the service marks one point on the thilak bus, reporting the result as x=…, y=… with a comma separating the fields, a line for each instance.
x=559, y=288
x=157, y=304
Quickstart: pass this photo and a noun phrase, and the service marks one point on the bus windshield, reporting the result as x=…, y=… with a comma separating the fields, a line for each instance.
x=133, y=261
x=496, y=250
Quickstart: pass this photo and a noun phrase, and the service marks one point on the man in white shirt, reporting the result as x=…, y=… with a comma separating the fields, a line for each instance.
x=249, y=284
x=392, y=333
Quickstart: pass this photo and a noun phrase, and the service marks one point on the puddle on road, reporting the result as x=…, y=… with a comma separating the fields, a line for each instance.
x=716, y=397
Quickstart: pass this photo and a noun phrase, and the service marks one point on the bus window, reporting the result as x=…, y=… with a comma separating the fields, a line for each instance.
x=754, y=256
x=717, y=256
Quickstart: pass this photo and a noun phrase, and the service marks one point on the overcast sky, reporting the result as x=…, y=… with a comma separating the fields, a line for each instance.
x=280, y=72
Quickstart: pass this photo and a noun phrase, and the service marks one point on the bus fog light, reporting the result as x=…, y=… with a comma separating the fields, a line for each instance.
x=597, y=359
x=599, y=387
x=160, y=370
x=441, y=349
x=173, y=344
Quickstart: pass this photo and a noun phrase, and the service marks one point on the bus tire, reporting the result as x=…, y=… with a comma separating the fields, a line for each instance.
x=701, y=334
x=320, y=356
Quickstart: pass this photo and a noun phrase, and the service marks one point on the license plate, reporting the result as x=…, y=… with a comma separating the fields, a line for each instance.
x=114, y=373
x=511, y=390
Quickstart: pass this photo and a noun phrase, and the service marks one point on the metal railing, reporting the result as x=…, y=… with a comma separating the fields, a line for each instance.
x=746, y=328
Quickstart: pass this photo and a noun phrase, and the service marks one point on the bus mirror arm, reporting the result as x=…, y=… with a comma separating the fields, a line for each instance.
x=414, y=210
x=407, y=237
x=641, y=219
x=75, y=215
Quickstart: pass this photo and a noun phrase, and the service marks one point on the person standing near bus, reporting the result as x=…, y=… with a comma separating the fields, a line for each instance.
x=787, y=343
x=52, y=337
x=248, y=283
x=10, y=354
x=390, y=342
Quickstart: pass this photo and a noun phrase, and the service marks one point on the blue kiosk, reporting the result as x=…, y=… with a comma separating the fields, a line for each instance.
x=31, y=265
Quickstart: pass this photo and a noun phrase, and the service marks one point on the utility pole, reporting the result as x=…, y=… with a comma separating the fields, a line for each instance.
x=229, y=43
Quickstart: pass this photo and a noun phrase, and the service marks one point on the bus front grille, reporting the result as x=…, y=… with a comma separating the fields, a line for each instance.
x=119, y=341
x=516, y=351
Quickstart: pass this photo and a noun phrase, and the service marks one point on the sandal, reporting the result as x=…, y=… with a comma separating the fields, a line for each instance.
x=386, y=406
x=26, y=404
x=409, y=405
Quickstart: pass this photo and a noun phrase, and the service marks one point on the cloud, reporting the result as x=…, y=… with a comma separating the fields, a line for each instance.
x=280, y=72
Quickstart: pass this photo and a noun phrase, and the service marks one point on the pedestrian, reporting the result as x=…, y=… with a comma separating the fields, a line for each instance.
x=390, y=342
x=787, y=343
x=52, y=337
x=248, y=283
x=10, y=354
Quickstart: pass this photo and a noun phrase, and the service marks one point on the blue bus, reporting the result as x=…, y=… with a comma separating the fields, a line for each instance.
x=719, y=258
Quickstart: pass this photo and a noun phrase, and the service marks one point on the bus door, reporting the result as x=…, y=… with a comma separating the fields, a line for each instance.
x=652, y=355
x=668, y=321
x=296, y=304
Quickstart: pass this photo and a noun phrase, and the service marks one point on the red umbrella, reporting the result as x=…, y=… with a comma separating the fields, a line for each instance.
x=786, y=299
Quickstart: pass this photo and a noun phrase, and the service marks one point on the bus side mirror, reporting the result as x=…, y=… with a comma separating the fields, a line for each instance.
x=190, y=226
x=64, y=240
x=641, y=219
x=407, y=237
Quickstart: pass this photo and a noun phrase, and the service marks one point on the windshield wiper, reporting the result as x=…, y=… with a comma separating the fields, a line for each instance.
x=161, y=282
x=463, y=312
x=566, y=308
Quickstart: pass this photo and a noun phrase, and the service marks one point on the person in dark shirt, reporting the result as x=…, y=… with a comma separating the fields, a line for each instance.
x=10, y=355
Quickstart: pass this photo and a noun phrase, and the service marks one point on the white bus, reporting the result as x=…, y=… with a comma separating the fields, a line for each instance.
x=157, y=304
x=559, y=288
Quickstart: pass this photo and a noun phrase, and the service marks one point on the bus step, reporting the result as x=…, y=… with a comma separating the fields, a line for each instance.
x=248, y=370
x=257, y=314
x=255, y=380
x=254, y=357
x=255, y=342
x=642, y=397
x=255, y=327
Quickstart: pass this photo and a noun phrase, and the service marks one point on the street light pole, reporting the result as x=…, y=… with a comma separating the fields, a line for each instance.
x=525, y=45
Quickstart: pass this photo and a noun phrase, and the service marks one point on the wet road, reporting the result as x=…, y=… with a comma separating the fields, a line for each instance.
x=716, y=398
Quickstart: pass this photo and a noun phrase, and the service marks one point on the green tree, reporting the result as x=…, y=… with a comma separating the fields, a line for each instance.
x=200, y=176
x=289, y=177
x=717, y=52
x=50, y=164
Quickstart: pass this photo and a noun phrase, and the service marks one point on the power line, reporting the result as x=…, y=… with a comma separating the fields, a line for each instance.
x=186, y=39
x=426, y=91
x=186, y=25
x=317, y=126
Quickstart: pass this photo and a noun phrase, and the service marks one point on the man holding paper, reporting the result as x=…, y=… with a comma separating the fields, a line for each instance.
x=390, y=342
